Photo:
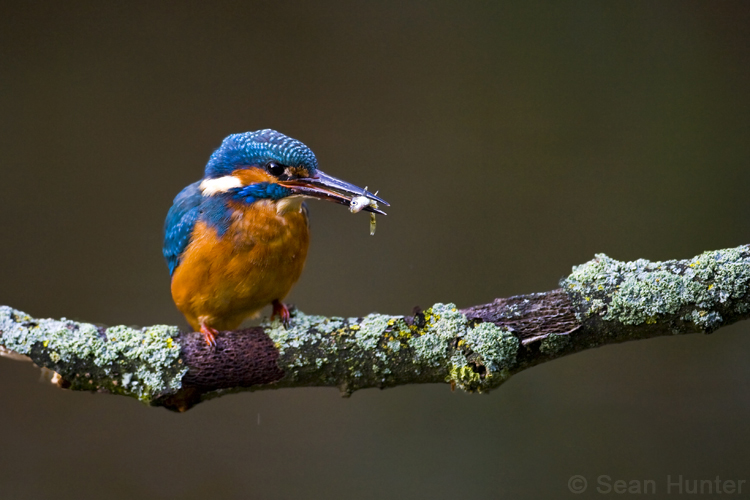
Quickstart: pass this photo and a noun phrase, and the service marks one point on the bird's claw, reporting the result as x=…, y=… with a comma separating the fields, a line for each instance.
x=209, y=335
x=282, y=311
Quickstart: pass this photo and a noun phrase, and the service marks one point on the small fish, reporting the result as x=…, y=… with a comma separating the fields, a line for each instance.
x=359, y=203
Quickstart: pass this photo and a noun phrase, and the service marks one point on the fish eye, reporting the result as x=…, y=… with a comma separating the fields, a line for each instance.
x=275, y=168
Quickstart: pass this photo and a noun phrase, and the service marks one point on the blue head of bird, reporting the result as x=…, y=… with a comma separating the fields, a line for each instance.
x=270, y=165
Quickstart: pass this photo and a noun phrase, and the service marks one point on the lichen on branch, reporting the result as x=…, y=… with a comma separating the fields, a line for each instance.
x=439, y=345
x=475, y=349
x=700, y=290
x=144, y=363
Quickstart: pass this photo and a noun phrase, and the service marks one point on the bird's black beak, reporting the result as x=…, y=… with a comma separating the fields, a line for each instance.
x=326, y=187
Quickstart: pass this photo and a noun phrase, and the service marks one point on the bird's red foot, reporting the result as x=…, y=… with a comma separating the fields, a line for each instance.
x=282, y=311
x=209, y=335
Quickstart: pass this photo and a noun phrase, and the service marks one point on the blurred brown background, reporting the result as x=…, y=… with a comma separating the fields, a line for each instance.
x=513, y=141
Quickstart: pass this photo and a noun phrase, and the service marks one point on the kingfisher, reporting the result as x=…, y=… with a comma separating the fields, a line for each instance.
x=236, y=240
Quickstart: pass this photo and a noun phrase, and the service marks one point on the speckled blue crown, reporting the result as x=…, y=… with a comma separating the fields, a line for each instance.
x=257, y=148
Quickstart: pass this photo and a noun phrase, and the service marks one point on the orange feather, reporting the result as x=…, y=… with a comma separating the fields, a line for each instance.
x=223, y=280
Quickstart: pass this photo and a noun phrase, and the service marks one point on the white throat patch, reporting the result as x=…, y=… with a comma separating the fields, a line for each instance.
x=210, y=187
x=289, y=204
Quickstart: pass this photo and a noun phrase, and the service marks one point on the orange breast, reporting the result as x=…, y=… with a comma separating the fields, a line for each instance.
x=223, y=280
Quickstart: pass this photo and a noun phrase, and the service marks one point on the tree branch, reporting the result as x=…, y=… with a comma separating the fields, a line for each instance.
x=603, y=301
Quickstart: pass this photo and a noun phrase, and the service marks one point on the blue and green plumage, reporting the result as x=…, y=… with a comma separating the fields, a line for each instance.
x=181, y=219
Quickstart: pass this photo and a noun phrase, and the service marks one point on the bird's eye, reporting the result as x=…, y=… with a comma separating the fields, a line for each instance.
x=275, y=169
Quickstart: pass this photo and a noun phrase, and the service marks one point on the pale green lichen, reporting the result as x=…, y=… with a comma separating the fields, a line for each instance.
x=144, y=363
x=371, y=330
x=708, y=320
x=642, y=291
x=486, y=353
x=324, y=350
x=380, y=350
x=479, y=357
x=554, y=343
x=464, y=377
x=496, y=347
x=443, y=324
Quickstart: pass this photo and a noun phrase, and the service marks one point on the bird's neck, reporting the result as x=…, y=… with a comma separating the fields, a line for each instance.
x=261, y=221
x=290, y=204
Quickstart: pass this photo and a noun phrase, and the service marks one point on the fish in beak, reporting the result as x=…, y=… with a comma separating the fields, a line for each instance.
x=326, y=187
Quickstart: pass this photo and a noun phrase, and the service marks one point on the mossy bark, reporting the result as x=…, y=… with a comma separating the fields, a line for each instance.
x=475, y=349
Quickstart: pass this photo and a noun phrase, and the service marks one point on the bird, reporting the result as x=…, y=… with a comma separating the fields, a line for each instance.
x=237, y=239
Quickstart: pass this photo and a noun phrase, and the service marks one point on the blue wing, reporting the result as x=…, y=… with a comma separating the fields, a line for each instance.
x=178, y=227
